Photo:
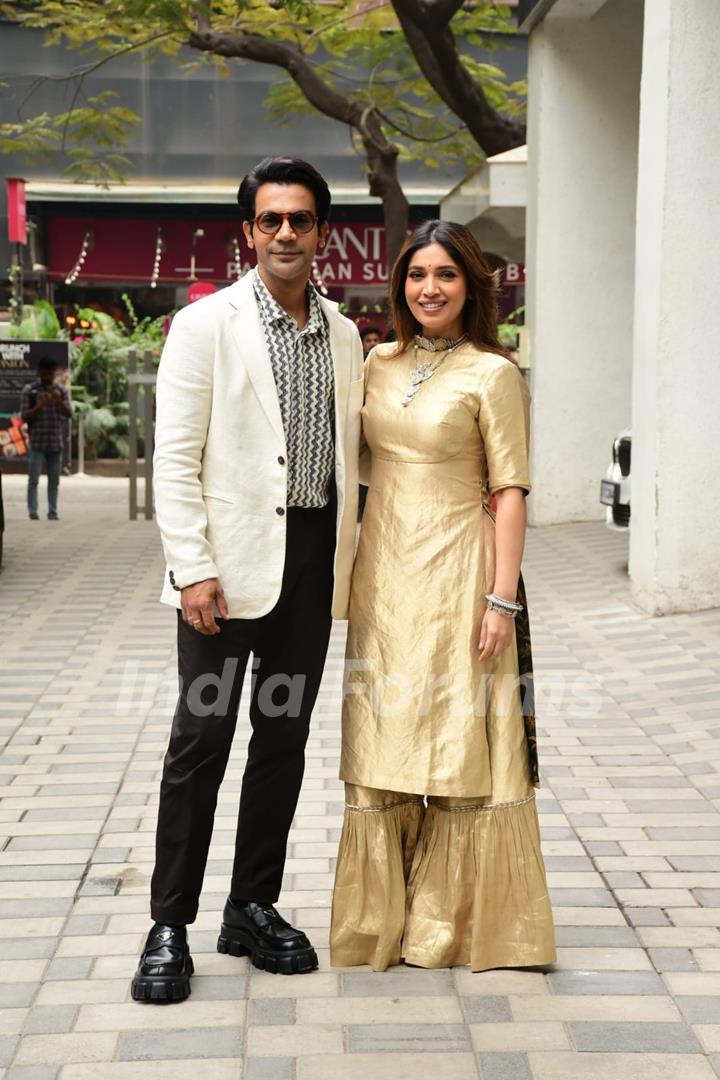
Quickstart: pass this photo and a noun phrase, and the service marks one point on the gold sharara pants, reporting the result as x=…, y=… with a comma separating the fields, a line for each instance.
x=456, y=881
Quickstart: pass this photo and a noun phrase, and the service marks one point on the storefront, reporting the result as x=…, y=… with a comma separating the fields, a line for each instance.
x=95, y=254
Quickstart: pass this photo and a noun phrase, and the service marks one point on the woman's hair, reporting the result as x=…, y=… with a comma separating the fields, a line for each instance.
x=480, y=316
x=283, y=170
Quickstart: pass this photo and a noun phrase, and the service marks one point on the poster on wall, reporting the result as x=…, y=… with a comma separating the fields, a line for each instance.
x=18, y=366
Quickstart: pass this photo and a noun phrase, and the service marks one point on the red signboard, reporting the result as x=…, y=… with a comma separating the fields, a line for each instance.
x=123, y=250
x=17, y=210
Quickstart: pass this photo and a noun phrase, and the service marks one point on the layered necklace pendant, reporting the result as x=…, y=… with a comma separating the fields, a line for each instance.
x=425, y=369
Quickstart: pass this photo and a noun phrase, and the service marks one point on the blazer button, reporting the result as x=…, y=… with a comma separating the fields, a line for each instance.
x=281, y=461
x=279, y=510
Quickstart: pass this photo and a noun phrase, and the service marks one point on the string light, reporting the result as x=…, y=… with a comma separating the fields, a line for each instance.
x=236, y=256
x=159, y=248
x=317, y=278
x=73, y=275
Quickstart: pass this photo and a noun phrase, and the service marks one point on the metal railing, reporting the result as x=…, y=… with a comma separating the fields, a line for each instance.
x=138, y=380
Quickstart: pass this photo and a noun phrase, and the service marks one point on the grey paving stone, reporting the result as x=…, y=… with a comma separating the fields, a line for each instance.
x=85, y=924
x=68, y=813
x=588, y=821
x=64, y=842
x=110, y=855
x=576, y=864
x=40, y=908
x=603, y=847
x=650, y=782
x=700, y=1009
x=49, y=790
x=607, y=982
x=219, y=987
x=608, y=937
x=17, y=995
x=668, y=959
x=33, y=1072
x=69, y=967
x=122, y=825
x=50, y=1019
x=556, y=832
x=648, y=916
x=269, y=1068
x=582, y=898
x=99, y=887
x=27, y=948
x=707, y=897
x=487, y=1010
x=496, y=1066
x=646, y=1038
x=410, y=1038
x=220, y=1042
x=682, y=832
x=409, y=983
x=70, y=872
x=271, y=1011
x=8, y=1045
x=624, y=879
x=203, y=940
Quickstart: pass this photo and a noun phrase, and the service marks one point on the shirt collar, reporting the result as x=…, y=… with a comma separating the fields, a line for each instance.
x=274, y=312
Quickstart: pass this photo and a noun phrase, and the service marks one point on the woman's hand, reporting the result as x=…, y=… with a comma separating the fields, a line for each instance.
x=496, y=633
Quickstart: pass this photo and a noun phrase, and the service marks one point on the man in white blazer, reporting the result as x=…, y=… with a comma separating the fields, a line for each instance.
x=258, y=418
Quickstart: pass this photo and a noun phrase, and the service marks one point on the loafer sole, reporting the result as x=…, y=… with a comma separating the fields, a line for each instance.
x=275, y=962
x=163, y=989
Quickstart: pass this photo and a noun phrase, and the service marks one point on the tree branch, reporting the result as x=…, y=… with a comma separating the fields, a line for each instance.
x=438, y=13
x=86, y=69
x=433, y=45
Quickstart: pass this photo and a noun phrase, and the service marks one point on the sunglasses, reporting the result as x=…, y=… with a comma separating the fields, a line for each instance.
x=270, y=222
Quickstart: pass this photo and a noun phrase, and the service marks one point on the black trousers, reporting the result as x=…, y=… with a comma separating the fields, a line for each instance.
x=289, y=646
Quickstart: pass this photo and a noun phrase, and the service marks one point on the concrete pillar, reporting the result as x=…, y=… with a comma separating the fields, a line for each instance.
x=584, y=81
x=675, y=525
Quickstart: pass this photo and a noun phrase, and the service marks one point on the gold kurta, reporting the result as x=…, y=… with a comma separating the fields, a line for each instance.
x=461, y=881
x=421, y=713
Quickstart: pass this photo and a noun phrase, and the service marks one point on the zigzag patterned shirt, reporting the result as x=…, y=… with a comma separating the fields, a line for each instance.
x=302, y=364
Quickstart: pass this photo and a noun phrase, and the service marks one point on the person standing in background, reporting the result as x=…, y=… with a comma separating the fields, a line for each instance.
x=370, y=337
x=43, y=406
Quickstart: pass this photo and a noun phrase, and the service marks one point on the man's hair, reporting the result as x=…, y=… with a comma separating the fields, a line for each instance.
x=370, y=330
x=283, y=170
x=46, y=363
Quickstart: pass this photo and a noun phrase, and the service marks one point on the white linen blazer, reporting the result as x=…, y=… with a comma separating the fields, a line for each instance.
x=220, y=464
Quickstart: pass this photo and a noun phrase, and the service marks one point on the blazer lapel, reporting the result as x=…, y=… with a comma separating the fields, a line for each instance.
x=339, y=348
x=249, y=338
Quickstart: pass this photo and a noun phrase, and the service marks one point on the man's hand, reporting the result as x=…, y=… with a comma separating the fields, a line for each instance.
x=198, y=604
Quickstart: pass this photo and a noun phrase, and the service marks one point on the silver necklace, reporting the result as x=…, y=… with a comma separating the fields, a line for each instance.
x=425, y=369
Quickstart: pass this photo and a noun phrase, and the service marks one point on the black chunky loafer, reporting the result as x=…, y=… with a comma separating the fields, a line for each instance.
x=273, y=945
x=163, y=974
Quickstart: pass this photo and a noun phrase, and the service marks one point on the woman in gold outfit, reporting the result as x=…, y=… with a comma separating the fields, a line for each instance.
x=439, y=860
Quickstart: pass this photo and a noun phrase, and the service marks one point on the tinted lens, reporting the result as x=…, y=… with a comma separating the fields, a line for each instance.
x=302, y=221
x=268, y=222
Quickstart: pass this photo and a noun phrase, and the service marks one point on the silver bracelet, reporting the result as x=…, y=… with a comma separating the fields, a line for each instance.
x=510, y=608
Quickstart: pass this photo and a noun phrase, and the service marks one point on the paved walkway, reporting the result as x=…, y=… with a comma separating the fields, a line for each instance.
x=630, y=810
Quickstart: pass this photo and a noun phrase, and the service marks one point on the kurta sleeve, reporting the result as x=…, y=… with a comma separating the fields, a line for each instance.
x=504, y=420
x=365, y=462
